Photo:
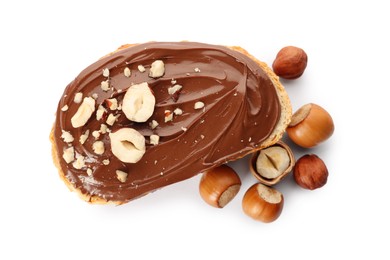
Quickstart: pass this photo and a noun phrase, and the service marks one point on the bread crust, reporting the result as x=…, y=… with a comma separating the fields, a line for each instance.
x=276, y=135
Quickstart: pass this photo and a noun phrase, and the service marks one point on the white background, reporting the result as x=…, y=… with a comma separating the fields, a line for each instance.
x=44, y=45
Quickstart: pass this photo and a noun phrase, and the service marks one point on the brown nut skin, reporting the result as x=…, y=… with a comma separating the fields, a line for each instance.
x=219, y=186
x=263, y=203
x=310, y=172
x=310, y=126
x=290, y=62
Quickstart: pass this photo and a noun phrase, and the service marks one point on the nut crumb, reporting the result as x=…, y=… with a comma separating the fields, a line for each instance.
x=79, y=163
x=89, y=172
x=67, y=136
x=96, y=134
x=95, y=95
x=188, y=74
x=84, y=137
x=173, y=81
x=68, y=154
x=127, y=72
x=106, y=72
x=153, y=124
x=65, y=108
x=106, y=162
x=105, y=85
x=112, y=103
x=235, y=94
x=184, y=128
x=141, y=68
x=100, y=112
x=202, y=136
x=155, y=162
x=168, y=116
x=199, y=105
x=121, y=176
x=103, y=128
x=111, y=119
x=154, y=139
x=197, y=70
x=98, y=147
x=176, y=88
x=78, y=97
x=161, y=173
x=178, y=111
x=157, y=69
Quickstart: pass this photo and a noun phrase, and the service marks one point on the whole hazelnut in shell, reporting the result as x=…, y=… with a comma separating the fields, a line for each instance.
x=310, y=125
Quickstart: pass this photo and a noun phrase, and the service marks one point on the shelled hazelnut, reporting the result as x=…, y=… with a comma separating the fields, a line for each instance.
x=310, y=172
x=290, y=62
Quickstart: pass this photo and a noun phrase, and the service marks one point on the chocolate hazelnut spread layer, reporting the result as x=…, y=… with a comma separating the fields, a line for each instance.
x=212, y=105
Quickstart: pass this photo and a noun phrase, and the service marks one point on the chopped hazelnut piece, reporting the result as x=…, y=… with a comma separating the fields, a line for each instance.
x=153, y=124
x=157, y=69
x=173, y=81
x=106, y=72
x=96, y=134
x=199, y=105
x=168, y=116
x=105, y=85
x=174, y=89
x=84, y=137
x=141, y=68
x=79, y=163
x=95, y=95
x=184, y=128
x=67, y=136
x=111, y=119
x=154, y=139
x=68, y=155
x=197, y=70
x=64, y=108
x=106, y=162
x=89, y=172
x=100, y=112
x=103, y=128
x=127, y=72
x=121, y=175
x=98, y=147
x=112, y=103
x=78, y=97
x=178, y=111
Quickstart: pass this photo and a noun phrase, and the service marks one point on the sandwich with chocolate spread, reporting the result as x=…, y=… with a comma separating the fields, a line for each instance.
x=149, y=115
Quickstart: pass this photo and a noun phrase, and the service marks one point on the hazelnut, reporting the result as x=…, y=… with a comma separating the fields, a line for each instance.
x=310, y=125
x=262, y=203
x=219, y=186
x=290, y=62
x=310, y=172
x=272, y=164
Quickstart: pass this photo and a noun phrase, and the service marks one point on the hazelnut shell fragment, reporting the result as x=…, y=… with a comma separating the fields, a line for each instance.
x=273, y=181
x=219, y=186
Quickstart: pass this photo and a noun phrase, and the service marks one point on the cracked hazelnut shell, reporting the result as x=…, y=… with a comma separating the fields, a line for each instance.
x=273, y=163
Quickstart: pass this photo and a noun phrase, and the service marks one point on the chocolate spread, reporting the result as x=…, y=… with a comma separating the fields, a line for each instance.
x=241, y=109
